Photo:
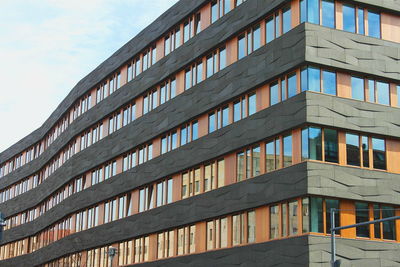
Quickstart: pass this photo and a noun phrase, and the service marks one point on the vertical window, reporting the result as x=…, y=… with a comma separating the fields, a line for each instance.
x=353, y=149
x=283, y=89
x=225, y=116
x=227, y=6
x=221, y=173
x=256, y=161
x=389, y=230
x=293, y=218
x=361, y=24
x=303, y=11
x=256, y=37
x=328, y=13
x=374, y=24
x=329, y=82
x=237, y=229
x=371, y=89
x=177, y=38
x=331, y=203
x=214, y=11
x=331, y=145
x=211, y=122
x=379, y=153
x=274, y=93
x=306, y=214
x=357, y=88
x=382, y=92
x=186, y=31
x=312, y=143
x=362, y=215
x=365, y=151
x=251, y=227
x=188, y=79
x=274, y=222
x=239, y=166
x=197, y=23
x=270, y=29
x=277, y=25
x=195, y=130
x=287, y=151
x=317, y=221
x=167, y=46
x=287, y=19
x=292, y=85
x=199, y=73
x=252, y=104
x=241, y=47
x=210, y=65
x=349, y=19
x=313, y=11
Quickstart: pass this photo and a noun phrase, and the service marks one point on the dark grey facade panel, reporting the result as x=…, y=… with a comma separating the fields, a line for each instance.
x=352, y=52
x=232, y=81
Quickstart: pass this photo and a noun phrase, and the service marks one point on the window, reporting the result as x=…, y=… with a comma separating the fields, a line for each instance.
x=214, y=11
x=272, y=157
x=217, y=234
x=167, y=90
x=379, y=153
x=164, y=192
x=309, y=11
x=357, y=88
x=287, y=151
x=187, y=30
x=361, y=23
x=251, y=227
x=321, y=210
x=292, y=85
x=349, y=18
x=169, y=142
x=287, y=19
x=329, y=82
x=362, y=215
x=270, y=29
x=191, y=183
x=274, y=221
x=374, y=24
x=248, y=163
x=328, y=13
x=311, y=79
x=371, y=89
x=146, y=198
x=252, y=104
x=382, y=93
x=353, y=149
x=331, y=145
x=311, y=143
x=274, y=93
x=129, y=161
x=238, y=229
x=241, y=46
x=389, y=230
x=211, y=122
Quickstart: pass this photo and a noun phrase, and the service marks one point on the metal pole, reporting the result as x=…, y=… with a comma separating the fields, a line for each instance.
x=333, y=241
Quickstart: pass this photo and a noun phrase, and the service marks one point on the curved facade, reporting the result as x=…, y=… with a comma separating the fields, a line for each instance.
x=221, y=135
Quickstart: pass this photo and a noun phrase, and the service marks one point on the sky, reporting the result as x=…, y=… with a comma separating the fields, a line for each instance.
x=48, y=46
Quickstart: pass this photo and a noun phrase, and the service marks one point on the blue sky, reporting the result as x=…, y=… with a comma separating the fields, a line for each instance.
x=47, y=46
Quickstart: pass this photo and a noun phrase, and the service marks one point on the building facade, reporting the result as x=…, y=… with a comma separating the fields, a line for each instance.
x=220, y=135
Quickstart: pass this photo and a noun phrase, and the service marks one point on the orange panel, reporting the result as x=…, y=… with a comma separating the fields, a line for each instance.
x=393, y=95
x=229, y=220
x=230, y=169
x=342, y=148
x=339, y=15
x=231, y=51
x=157, y=147
x=160, y=48
x=139, y=106
x=93, y=95
x=347, y=217
x=398, y=226
x=393, y=155
x=88, y=181
x=101, y=216
x=296, y=146
x=259, y=98
x=124, y=75
x=135, y=201
x=390, y=27
x=119, y=164
x=344, y=85
x=152, y=248
x=203, y=125
x=201, y=229
x=105, y=127
x=180, y=82
x=295, y=7
x=177, y=185
x=263, y=36
x=205, y=13
x=261, y=223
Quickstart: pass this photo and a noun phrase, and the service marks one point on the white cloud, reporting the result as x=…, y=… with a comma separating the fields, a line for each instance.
x=47, y=46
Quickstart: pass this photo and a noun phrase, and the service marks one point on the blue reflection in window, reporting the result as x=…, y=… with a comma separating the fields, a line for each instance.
x=382, y=92
x=371, y=88
x=374, y=24
x=303, y=11
x=195, y=130
x=313, y=11
x=314, y=79
x=349, y=20
x=211, y=123
x=274, y=93
x=329, y=82
x=270, y=29
x=252, y=104
x=361, y=24
x=357, y=88
x=328, y=13
x=287, y=20
x=292, y=85
x=241, y=47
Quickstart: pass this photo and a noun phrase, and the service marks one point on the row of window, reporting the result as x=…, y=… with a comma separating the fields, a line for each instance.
x=282, y=220
x=137, y=65
x=354, y=18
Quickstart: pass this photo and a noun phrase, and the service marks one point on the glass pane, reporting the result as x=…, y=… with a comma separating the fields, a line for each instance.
x=374, y=24
x=304, y=79
x=214, y=12
x=256, y=37
x=317, y=222
x=274, y=93
x=225, y=116
x=274, y=222
x=251, y=227
x=287, y=151
x=222, y=58
x=270, y=156
x=256, y=161
x=313, y=11
x=287, y=19
x=195, y=131
x=398, y=95
x=277, y=25
x=329, y=82
x=331, y=203
x=362, y=215
x=306, y=214
x=270, y=29
x=210, y=64
x=382, y=92
x=389, y=231
x=224, y=233
x=241, y=47
x=349, y=19
x=331, y=145
x=277, y=154
x=315, y=143
x=252, y=104
x=365, y=151
x=283, y=89
x=240, y=166
x=377, y=216
x=357, y=88
x=328, y=13
x=304, y=144
x=188, y=79
x=236, y=111
x=314, y=79
x=211, y=123
x=199, y=74
x=303, y=11
x=379, y=153
x=293, y=218
x=292, y=85
x=361, y=24
x=353, y=149
x=284, y=220
x=371, y=88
